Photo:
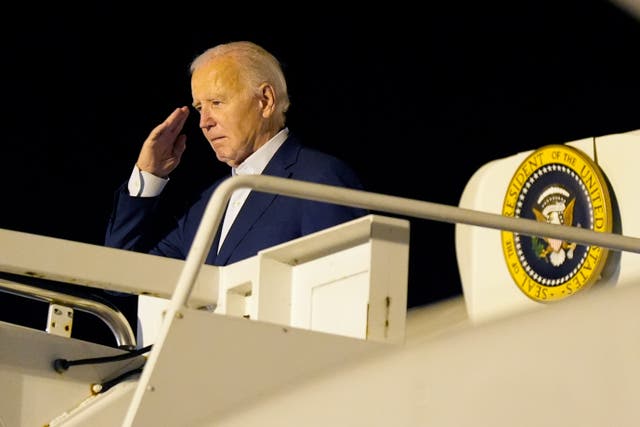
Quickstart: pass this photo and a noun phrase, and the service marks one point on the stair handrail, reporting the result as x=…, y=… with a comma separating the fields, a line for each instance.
x=112, y=317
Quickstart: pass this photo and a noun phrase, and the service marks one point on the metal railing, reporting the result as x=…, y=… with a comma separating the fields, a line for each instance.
x=377, y=202
x=348, y=197
x=113, y=318
x=324, y=193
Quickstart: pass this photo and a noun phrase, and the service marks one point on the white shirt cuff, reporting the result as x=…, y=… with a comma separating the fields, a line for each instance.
x=145, y=184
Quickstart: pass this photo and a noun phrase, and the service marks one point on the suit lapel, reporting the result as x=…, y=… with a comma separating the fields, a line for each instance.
x=258, y=202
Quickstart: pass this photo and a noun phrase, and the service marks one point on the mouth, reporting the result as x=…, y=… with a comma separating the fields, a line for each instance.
x=215, y=139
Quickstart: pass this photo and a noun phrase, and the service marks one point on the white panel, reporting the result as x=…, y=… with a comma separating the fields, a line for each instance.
x=344, y=276
x=487, y=285
x=574, y=364
x=618, y=156
x=100, y=267
x=340, y=307
x=272, y=294
x=32, y=393
x=389, y=282
x=239, y=361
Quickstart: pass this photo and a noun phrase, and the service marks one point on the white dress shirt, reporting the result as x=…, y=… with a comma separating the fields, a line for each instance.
x=145, y=184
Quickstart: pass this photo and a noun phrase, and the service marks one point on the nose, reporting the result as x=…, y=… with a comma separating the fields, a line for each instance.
x=206, y=119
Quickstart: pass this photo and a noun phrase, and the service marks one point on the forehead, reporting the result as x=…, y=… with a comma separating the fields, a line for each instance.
x=219, y=76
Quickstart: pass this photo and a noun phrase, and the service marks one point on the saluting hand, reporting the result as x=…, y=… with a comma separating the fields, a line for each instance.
x=162, y=150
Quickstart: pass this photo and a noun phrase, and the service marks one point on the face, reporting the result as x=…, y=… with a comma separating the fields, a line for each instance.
x=233, y=118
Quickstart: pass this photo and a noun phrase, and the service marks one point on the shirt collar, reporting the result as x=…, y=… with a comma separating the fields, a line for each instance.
x=257, y=161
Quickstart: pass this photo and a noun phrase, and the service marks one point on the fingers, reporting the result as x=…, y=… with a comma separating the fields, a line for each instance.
x=172, y=125
x=162, y=150
x=175, y=122
x=180, y=146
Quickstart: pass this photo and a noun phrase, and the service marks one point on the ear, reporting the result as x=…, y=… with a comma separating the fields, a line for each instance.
x=267, y=100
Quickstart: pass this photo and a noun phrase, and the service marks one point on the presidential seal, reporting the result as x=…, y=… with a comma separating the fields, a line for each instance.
x=556, y=184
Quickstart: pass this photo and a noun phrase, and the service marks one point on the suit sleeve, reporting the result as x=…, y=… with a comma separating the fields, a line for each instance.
x=136, y=224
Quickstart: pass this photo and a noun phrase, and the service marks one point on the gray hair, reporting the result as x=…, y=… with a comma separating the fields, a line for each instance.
x=257, y=66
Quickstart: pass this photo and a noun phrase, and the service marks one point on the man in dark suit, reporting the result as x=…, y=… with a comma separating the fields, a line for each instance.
x=241, y=95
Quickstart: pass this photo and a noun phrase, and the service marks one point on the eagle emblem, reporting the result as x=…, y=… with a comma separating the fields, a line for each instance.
x=561, y=185
x=555, y=206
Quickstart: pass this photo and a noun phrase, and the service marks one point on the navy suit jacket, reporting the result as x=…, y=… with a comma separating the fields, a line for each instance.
x=265, y=219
